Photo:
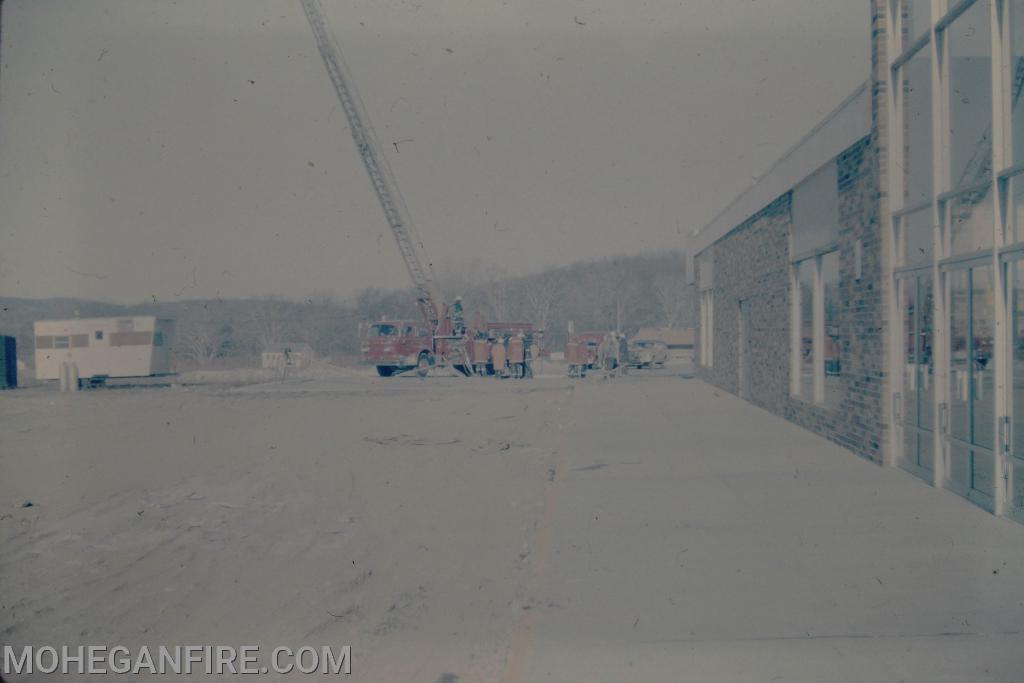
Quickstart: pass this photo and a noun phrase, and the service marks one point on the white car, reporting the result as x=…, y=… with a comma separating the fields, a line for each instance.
x=647, y=353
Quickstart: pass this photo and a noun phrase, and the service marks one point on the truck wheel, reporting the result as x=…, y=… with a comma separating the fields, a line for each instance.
x=385, y=370
x=424, y=364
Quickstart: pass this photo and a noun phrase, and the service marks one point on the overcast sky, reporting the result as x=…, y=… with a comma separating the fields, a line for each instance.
x=194, y=148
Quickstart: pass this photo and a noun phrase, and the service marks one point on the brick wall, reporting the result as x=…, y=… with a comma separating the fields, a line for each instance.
x=752, y=262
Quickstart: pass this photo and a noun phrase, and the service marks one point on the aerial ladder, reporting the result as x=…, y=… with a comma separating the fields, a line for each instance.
x=449, y=347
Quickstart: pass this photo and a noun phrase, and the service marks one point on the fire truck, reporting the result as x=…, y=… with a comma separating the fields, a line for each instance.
x=396, y=346
x=441, y=338
x=581, y=352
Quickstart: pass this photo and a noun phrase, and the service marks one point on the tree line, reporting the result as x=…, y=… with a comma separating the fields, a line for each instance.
x=620, y=293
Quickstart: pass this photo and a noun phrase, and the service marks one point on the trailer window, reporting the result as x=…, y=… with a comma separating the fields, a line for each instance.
x=99, y=335
x=62, y=342
x=384, y=331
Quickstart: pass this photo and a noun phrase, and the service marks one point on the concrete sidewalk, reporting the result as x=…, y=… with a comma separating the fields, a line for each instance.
x=694, y=537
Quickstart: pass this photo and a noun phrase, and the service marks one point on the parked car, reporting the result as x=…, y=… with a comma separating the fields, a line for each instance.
x=647, y=353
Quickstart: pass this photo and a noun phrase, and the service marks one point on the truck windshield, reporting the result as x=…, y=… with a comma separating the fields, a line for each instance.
x=384, y=331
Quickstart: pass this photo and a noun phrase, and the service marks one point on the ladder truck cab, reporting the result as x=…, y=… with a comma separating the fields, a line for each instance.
x=395, y=346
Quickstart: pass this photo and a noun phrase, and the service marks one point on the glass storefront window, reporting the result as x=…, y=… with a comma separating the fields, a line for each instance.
x=1016, y=78
x=1017, y=371
x=983, y=349
x=805, y=285
x=925, y=354
x=918, y=381
x=919, y=18
x=908, y=304
x=918, y=238
x=831, y=355
x=970, y=222
x=970, y=66
x=972, y=378
x=959, y=350
x=1017, y=210
x=1017, y=487
x=917, y=127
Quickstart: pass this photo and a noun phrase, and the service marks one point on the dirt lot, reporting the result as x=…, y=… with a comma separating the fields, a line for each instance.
x=484, y=530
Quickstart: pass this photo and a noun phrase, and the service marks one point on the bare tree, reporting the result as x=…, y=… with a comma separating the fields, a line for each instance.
x=618, y=293
x=268, y=323
x=540, y=296
x=200, y=342
x=674, y=298
x=495, y=293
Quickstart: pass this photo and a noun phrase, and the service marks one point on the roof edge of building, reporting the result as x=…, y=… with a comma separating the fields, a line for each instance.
x=824, y=142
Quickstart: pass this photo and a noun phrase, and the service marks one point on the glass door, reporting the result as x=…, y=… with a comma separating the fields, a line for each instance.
x=1016, y=462
x=917, y=393
x=971, y=432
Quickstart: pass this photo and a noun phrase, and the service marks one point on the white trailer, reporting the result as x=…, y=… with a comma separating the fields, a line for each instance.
x=130, y=346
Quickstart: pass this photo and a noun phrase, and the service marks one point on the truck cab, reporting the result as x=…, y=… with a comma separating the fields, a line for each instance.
x=394, y=346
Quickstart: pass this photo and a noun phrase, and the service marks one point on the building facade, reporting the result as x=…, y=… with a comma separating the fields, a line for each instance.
x=870, y=286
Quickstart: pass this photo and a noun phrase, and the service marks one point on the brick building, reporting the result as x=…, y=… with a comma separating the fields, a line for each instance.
x=870, y=285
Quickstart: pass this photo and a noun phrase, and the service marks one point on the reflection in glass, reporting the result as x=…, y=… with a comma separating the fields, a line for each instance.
x=918, y=238
x=805, y=283
x=970, y=222
x=908, y=304
x=1017, y=269
x=925, y=357
x=918, y=19
x=959, y=355
x=960, y=465
x=830, y=287
x=1017, y=210
x=1017, y=78
x=926, y=450
x=972, y=375
x=983, y=367
x=1017, y=486
x=918, y=382
x=970, y=66
x=911, y=446
x=917, y=127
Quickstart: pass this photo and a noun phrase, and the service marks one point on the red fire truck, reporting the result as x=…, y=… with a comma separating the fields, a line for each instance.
x=581, y=352
x=442, y=338
x=394, y=346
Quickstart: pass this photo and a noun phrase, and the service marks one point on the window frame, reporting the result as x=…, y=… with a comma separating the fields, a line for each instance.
x=818, y=332
x=707, y=327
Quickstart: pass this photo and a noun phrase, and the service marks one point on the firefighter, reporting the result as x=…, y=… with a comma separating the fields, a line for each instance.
x=458, y=318
x=532, y=348
x=623, y=357
x=602, y=355
x=609, y=349
x=517, y=355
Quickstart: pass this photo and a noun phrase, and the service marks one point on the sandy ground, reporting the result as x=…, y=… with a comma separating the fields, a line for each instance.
x=649, y=528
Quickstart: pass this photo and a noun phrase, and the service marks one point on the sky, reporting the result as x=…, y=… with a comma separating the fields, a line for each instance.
x=181, y=149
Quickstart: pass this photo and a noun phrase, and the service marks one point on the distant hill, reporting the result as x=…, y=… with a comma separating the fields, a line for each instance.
x=616, y=293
